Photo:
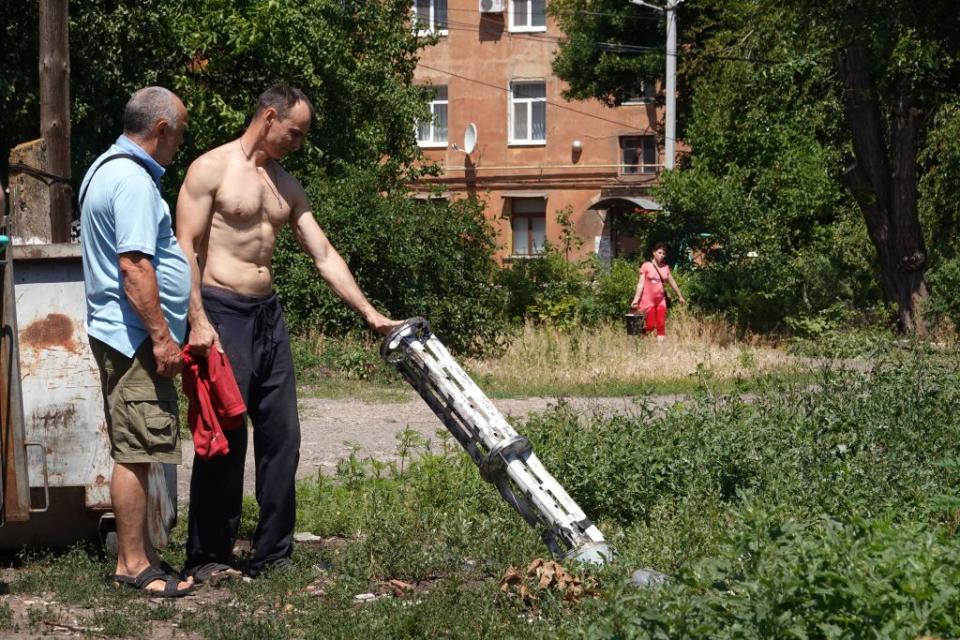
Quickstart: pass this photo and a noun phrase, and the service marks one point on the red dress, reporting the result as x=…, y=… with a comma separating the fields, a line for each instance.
x=653, y=299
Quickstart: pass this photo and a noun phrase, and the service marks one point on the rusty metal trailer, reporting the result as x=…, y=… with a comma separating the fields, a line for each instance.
x=55, y=448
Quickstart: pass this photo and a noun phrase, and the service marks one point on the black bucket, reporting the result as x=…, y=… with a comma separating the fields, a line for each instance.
x=635, y=322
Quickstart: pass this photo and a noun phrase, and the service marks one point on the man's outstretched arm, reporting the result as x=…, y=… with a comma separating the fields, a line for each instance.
x=332, y=268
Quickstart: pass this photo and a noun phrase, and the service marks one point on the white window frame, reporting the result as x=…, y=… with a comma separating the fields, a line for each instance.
x=432, y=143
x=532, y=249
x=526, y=27
x=641, y=168
x=529, y=141
x=648, y=94
x=432, y=26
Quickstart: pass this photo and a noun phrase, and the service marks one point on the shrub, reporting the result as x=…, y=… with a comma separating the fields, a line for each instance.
x=861, y=444
x=779, y=578
x=544, y=288
x=551, y=290
x=821, y=511
x=412, y=258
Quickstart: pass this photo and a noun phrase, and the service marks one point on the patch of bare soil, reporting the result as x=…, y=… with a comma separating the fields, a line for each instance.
x=43, y=616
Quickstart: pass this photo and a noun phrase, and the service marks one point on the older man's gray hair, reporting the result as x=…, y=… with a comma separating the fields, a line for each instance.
x=146, y=107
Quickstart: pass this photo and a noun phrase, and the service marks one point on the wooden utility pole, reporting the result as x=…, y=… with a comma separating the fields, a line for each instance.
x=55, y=110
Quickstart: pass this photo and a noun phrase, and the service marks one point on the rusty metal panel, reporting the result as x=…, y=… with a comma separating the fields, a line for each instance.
x=62, y=400
x=16, y=491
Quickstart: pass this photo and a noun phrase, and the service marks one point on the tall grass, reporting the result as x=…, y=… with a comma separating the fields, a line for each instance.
x=544, y=360
x=604, y=360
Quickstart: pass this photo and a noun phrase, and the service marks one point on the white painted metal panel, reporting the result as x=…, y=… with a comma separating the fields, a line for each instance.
x=62, y=400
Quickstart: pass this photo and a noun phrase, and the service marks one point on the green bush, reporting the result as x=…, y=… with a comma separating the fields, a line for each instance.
x=944, y=280
x=779, y=578
x=545, y=288
x=806, y=511
x=857, y=443
x=613, y=289
x=939, y=211
x=411, y=257
x=552, y=290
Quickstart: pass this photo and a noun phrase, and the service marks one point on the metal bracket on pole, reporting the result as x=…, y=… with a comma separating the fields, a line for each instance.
x=647, y=5
x=504, y=457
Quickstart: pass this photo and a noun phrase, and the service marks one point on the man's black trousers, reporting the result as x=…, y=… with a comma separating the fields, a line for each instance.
x=256, y=341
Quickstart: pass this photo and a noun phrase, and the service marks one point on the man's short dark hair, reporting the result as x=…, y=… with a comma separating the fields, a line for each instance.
x=282, y=98
x=146, y=107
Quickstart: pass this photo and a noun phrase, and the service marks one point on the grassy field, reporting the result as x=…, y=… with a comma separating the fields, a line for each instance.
x=605, y=361
x=825, y=510
x=600, y=361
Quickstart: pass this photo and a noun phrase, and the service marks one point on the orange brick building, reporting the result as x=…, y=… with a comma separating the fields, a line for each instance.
x=536, y=154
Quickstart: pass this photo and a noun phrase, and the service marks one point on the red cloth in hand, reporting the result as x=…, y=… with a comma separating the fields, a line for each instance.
x=215, y=401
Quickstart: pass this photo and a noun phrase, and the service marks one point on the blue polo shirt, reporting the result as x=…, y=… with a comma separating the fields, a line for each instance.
x=123, y=211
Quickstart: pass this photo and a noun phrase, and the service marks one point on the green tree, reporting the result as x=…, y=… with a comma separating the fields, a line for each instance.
x=889, y=65
x=355, y=59
x=612, y=48
x=414, y=257
x=897, y=62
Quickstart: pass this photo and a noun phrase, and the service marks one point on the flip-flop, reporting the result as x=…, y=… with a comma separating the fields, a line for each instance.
x=152, y=574
x=213, y=573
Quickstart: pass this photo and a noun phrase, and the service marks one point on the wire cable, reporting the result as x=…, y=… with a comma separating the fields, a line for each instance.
x=646, y=17
x=632, y=127
x=613, y=47
x=547, y=38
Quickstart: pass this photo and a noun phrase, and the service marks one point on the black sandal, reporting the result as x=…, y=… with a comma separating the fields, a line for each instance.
x=170, y=570
x=213, y=573
x=152, y=574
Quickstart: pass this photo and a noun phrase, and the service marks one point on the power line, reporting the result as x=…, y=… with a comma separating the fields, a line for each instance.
x=632, y=127
x=547, y=38
x=647, y=17
x=612, y=47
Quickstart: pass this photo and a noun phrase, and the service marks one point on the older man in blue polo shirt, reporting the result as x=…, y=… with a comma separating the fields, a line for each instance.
x=138, y=286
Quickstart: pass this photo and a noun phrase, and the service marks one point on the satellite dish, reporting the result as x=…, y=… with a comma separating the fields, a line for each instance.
x=470, y=138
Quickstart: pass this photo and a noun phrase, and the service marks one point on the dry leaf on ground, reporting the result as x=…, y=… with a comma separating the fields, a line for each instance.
x=399, y=587
x=541, y=575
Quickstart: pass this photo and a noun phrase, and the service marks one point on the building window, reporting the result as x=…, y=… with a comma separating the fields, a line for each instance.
x=430, y=16
x=528, y=112
x=528, y=15
x=638, y=155
x=528, y=222
x=646, y=95
x=433, y=132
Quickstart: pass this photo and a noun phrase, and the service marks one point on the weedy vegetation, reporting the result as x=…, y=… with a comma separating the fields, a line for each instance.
x=822, y=508
x=598, y=360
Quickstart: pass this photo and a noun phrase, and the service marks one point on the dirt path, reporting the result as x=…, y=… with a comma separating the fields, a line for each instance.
x=331, y=429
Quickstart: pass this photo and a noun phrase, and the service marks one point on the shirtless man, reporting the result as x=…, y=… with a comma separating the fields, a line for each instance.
x=233, y=202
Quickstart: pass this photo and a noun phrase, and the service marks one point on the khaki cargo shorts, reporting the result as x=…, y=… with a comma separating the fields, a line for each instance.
x=140, y=406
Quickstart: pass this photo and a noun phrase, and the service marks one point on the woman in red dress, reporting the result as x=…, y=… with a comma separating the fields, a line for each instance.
x=651, y=297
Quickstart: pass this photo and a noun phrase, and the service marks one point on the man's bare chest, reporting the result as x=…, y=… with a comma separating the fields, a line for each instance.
x=251, y=197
